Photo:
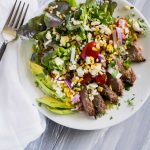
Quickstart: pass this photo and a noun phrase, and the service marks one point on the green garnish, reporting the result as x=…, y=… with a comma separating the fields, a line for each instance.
x=130, y=102
x=111, y=118
x=127, y=64
x=127, y=86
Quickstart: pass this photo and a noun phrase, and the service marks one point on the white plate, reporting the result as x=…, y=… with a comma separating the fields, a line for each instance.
x=141, y=88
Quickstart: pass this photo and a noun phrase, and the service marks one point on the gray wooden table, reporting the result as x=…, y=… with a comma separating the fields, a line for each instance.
x=132, y=134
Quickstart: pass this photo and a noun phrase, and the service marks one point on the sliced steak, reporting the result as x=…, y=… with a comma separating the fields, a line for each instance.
x=99, y=105
x=128, y=75
x=107, y=93
x=87, y=104
x=135, y=54
x=116, y=84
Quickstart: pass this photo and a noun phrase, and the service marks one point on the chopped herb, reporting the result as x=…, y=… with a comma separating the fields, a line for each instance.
x=130, y=102
x=129, y=41
x=111, y=118
x=127, y=86
x=118, y=105
x=112, y=64
x=127, y=64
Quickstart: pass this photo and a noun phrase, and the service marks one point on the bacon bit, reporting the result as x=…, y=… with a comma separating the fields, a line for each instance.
x=86, y=79
x=101, y=79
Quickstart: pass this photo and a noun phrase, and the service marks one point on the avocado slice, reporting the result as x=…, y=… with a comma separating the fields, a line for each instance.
x=54, y=103
x=60, y=111
x=45, y=82
x=36, y=69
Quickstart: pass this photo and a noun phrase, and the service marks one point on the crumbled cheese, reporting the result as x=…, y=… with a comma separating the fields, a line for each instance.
x=105, y=29
x=48, y=36
x=55, y=72
x=78, y=38
x=95, y=23
x=92, y=86
x=76, y=22
x=89, y=60
x=80, y=72
x=57, y=37
x=91, y=97
x=126, y=30
x=58, y=90
x=72, y=58
x=59, y=61
x=96, y=69
x=64, y=40
x=86, y=70
x=72, y=66
x=93, y=29
x=87, y=28
x=94, y=92
x=89, y=36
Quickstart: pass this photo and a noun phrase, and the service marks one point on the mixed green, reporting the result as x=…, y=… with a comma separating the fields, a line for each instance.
x=82, y=55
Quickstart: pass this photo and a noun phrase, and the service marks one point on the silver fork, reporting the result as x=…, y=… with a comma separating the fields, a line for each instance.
x=13, y=23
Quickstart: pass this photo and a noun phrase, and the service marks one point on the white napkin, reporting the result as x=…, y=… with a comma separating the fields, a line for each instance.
x=20, y=122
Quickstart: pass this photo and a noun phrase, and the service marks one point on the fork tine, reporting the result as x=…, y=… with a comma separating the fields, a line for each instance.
x=23, y=18
x=11, y=13
x=14, y=15
x=16, y=23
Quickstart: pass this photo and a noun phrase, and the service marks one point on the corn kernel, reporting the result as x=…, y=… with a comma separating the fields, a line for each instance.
x=92, y=60
x=94, y=48
x=98, y=37
x=135, y=36
x=97, y=46
x=100, y=89
x=67, y=103
x=77, y=89
x=80, y=79
x=109, y=48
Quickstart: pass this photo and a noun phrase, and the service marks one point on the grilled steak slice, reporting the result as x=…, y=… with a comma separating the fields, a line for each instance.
x=116, y=84
x=107, y=93
x=99, y=105
x=128, y=75
x=87, y=104
x=135, y=54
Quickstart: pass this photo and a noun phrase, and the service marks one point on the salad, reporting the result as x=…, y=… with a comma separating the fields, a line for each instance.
x=82, y=55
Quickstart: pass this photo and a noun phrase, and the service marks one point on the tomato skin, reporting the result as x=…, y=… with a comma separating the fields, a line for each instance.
x=87, y=51
x=101, y=79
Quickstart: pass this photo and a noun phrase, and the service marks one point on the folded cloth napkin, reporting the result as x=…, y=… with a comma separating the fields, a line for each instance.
x=20, y=122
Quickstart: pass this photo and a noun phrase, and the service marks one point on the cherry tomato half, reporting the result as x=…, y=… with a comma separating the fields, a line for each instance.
x=101, y=79
x=88, y=51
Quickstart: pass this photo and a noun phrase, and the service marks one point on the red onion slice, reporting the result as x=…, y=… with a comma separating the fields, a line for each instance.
x=68, y=82
x=75, y=98
x=119, y=33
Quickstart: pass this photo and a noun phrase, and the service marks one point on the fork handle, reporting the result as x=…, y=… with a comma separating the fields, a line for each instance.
x=2, y=49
